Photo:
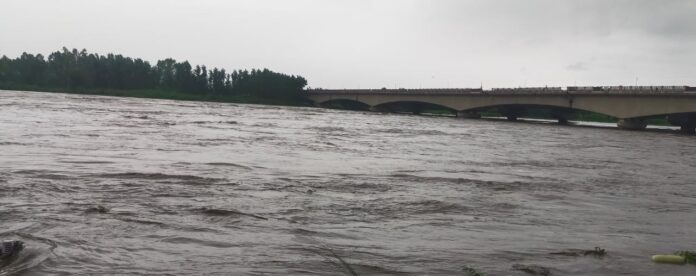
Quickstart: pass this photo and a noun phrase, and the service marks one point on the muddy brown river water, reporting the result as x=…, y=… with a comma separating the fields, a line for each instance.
x=192, y=188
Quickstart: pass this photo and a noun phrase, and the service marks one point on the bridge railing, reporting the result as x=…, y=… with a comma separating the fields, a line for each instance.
x=399, y=91
x=584, y=90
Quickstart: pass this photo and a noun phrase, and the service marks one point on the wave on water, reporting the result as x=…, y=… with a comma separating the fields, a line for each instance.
x=226, y=164
x=87, y=162
x=228, y=212
x=155, y=176
x=12, y=144
x=137, y=186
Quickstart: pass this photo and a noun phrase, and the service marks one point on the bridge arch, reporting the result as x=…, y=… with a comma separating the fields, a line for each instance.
x=619, y=106
x=630, y=107
x=344, y=103
x=514, y=111
x=414, y=107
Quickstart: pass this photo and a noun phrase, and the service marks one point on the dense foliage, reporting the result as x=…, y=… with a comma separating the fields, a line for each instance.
x=74, y=70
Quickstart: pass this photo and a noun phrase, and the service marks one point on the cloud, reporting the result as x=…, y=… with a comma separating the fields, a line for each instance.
x=366, y=43
x=578, y=66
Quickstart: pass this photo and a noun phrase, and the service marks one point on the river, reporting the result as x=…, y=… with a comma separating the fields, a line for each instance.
x=194, y=188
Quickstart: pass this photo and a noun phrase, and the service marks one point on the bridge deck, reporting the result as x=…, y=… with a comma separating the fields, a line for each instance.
x=500, y=92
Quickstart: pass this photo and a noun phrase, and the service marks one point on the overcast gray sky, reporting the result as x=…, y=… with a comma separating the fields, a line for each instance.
x=380, y=43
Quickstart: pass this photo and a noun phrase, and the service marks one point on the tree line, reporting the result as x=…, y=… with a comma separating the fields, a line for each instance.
x=72, y=69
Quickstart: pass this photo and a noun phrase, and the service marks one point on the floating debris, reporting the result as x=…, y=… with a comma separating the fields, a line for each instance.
x=596, y=252
x=97, y=209
x=10, y=248
x=669, y=259
x=535, y=270
x=679, y=257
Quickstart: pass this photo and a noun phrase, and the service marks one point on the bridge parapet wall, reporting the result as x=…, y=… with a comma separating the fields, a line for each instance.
x=502, y=91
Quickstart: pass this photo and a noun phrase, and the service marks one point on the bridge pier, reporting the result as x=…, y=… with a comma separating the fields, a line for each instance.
x=512, y=112
x=562, y=115
x=687, y=122
x=632, y=124
x=415, y=108
x=468, y=114
x=688, y=129
x=378, y=109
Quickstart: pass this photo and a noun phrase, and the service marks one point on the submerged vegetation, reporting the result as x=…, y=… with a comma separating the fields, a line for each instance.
x=469, y=271
x=535, y=270
x=76, y=71
x=689, y=256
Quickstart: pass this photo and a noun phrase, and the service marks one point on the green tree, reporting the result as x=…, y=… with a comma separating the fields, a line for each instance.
x=73, y=69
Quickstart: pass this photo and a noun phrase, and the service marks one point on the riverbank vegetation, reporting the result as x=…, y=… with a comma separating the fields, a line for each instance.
x=74, y=71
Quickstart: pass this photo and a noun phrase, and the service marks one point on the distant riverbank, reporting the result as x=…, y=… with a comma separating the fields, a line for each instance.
x=81, y=72
x=168, y=95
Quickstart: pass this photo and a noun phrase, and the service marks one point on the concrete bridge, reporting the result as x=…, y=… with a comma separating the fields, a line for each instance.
x=632, y=105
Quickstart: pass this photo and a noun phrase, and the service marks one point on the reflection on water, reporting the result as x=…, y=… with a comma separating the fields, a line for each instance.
x=206, y=188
